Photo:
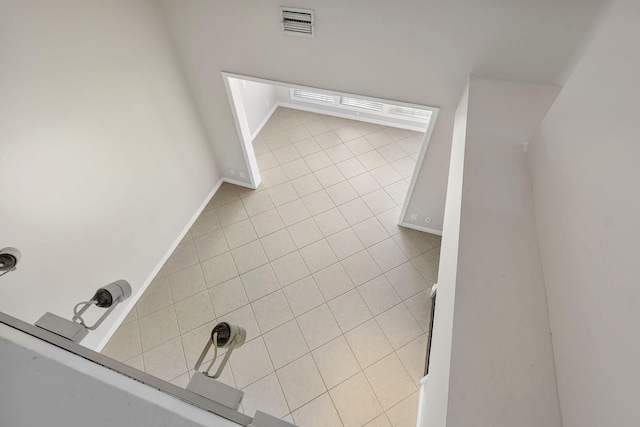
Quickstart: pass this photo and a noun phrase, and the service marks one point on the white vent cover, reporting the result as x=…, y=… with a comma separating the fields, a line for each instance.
x=297, y=22
x=362, y=103
x=410, y=112
x=315, y=96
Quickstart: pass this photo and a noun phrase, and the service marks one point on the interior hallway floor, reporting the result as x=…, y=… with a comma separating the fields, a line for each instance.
x=333, y=293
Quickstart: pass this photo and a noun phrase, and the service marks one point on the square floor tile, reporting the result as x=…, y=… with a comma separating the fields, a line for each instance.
x=328, y=139
x=355, y=211
x=267, y=222
x=228, y=296
x=385, y=175
x=389, y=220
x=318, y=326
x=379, y=139
x=380, y=421
x=413, y=356
x=368, y=343
x=194, y=311
x=158, y=327
x=341, y=192
x=238, y=234
x=306, y=185
x=318, y=255
x=329, y=176
x=317, y=127
x=303, y=296
x=335, y=362
x=206, y=223
x=274, y=177
x=318, y=202
x=219, y=269
x=391, y=152
x=295, y=169
x=349, y=310
x=229, y=214
x=290, y=268
x=404, y=166
x=339, y=153
x=249, y=256
x=370, y=232
x=361, y=268
x=333, y=281
x=317, y=161
x=347, y=133
x=278, y=244
x=282, y=193
x=155, y=297
x=293, y=212
x=301, y=382
x=378, y=201
x=256, y=203
x=345, y=243
x=320, y=412
x=250, y=363
x=364, y=184
x=405, y=413
x=372, y=160
x=399, y=326
x=165, y=361
x=285, y=344
x=210, y=245
x=286, y=154
x=427, y=265
x=277, y=139
x=420, y=306
x=379, y=295
x=307, y=146
x=406, y=280
x=124, y=343
x=359, y=146
x=304, y=233
x=387, y=254
x=351, y=167
x=330, y=222
x=225, y=194
x=265, y=395
x=355, y=401
x=182, y=257
x=390, y=381
x=397, y=191
x=271, y=311
x=298, y=133
x=259, y=282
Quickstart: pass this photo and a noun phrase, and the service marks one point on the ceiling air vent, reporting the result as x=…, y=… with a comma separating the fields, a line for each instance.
x=297, y=22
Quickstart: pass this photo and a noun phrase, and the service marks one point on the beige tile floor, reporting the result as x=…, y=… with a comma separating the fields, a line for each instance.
x=333, y=294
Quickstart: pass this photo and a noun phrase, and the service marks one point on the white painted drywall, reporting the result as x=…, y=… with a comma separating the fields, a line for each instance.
x=421, y=55
x=433, y=408
x=585, y=168
x=103, y=160
x=502, y=368
x=46, y=386
x=259, y=102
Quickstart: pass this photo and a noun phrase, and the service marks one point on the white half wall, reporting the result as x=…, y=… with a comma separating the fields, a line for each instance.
x=103, y=159
x=47, y=386
x=259, y=100
x=585, y=169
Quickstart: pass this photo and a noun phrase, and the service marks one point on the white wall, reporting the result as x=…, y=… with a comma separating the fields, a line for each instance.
x=584, y=163
x=44, y=385
x=259, y=102
x=103, y=160
x=492, y=359
x=422, y=55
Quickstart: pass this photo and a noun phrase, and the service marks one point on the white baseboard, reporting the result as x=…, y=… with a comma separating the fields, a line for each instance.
x=239, y=183
x=421, y=228
x=134, y=298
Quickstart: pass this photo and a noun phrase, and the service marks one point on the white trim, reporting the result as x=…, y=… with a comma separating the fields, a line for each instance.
x=418, y=167
x=420, y=228
x=239, y=183
x=264, y=122
x=134, y=298
x=381, y=121
x=242, y=126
